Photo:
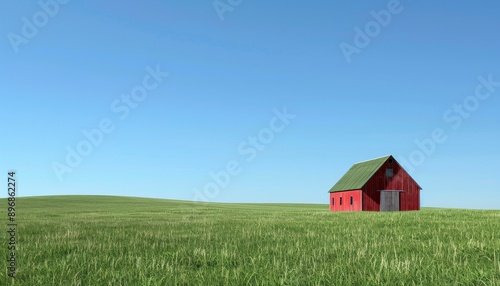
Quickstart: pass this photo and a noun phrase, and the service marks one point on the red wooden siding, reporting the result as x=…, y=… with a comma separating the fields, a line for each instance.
x=346, y=201
x=410, y=197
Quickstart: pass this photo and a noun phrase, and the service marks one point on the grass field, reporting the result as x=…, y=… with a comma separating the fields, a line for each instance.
x=98, y=240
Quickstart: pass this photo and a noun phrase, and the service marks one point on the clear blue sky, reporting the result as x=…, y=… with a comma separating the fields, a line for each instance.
x=229, y=74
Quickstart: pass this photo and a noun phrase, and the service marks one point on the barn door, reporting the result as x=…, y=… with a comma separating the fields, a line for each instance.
x=389, y=201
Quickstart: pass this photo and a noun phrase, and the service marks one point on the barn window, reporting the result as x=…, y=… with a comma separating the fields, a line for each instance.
x=340, y=203
x=390, y=161
x=389, y=173
x=352, y=201
x=333, y=201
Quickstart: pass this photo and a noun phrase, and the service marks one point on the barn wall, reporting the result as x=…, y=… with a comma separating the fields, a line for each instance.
x=346, y=197
x=410, y=197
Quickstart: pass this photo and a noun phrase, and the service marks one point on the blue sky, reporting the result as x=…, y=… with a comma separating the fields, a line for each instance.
x=419, y=68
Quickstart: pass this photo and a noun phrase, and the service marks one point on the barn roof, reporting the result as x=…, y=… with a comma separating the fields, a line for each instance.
x=359, y=174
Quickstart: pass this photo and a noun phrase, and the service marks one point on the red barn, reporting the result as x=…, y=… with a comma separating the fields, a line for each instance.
x=376, y=185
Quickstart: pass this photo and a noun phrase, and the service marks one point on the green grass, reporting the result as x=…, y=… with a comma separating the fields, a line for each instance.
x=98, y=240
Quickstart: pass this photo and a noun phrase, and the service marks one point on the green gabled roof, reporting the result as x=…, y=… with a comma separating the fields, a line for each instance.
x=358, y=175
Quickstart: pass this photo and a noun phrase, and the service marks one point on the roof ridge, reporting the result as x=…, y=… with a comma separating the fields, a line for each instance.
x=373, y=159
